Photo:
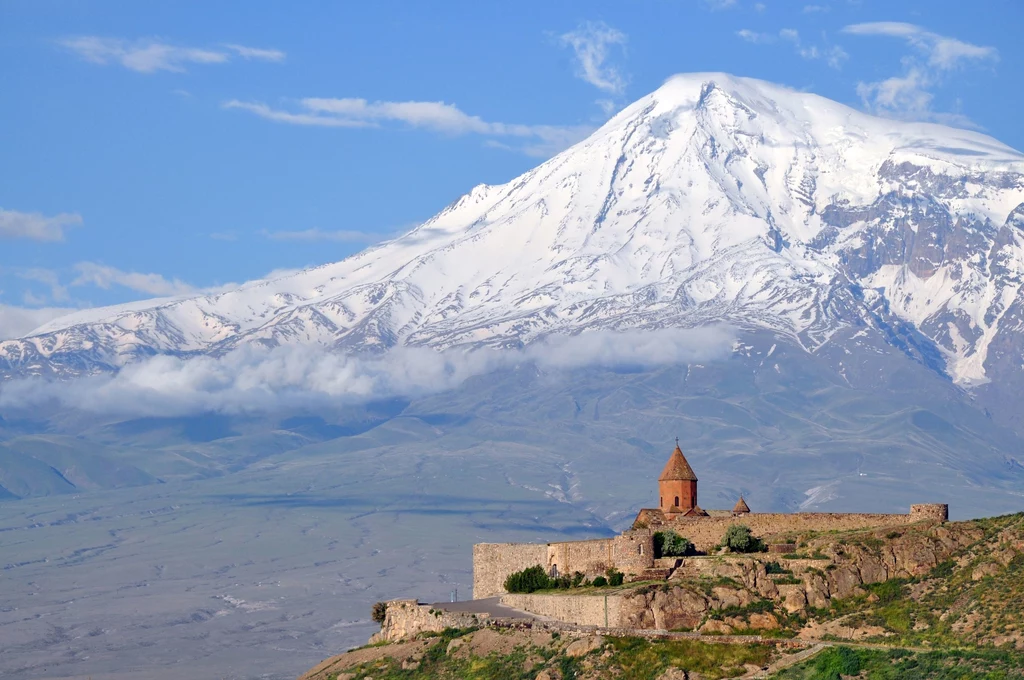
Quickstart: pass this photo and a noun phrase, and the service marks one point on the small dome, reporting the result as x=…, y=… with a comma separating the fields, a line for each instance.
x=740, y=507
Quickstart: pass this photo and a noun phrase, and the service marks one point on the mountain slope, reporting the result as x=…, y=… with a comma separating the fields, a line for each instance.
x=714, y=198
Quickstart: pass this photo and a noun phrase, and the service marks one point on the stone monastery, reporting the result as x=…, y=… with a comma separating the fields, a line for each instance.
x=632, y=552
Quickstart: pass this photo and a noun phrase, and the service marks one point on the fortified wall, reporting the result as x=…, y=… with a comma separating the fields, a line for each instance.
x=707, y=532
x=632, y=552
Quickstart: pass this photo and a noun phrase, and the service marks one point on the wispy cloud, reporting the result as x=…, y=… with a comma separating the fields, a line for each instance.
x=256, y=53
x=105, y=277
x=441, y=117
x=316, y=235
x=833, y=55
x=16, y=322
x=592, y=44
x=255, y=379
x=35, y=226
x=151, y=55
x=58, y=292
x=718, y=5
x=910, y=94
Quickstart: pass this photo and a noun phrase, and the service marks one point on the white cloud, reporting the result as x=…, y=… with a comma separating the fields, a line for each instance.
x=541, y=140
x=337, y=236
x=47, y=277
x=942, y=51
x=256, y=53
x=151, y=55
x=103, y=276
x=35, y=226
x=592, y=42
x=254, y=379
x=910, y=94
x=755, y=37
x=16, y=322
x=716, y=5
x=833, y=55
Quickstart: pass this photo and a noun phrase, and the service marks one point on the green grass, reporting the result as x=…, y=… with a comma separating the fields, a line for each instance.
x=901, y=664
x=641, y=659
x=632, y=658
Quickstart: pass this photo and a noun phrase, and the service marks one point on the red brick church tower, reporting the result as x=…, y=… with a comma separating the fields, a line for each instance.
x=677, y=485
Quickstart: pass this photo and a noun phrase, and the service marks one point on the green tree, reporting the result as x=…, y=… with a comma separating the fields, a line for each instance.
x=528, y=580
x=380, y=610
x=739, y=538
x=670, y=544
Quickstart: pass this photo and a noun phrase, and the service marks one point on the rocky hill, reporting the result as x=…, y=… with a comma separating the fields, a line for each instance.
x=919, y=602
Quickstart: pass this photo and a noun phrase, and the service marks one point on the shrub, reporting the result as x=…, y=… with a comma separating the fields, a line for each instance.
x=615, y=577
x=888, y=591
x=600, y=582
x=528, y=580
x=577, y=579
x=834, y=663
x=739, y=538
x=776, y=568
x=671, y=544
x=379, y=611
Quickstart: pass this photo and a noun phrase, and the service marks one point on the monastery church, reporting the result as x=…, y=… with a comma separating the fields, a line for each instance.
x=632, y=551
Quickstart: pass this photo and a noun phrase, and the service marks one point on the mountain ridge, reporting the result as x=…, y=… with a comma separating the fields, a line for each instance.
x=715, y=198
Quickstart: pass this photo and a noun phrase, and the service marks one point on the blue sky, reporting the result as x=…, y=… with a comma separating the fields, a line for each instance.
x=163, y=147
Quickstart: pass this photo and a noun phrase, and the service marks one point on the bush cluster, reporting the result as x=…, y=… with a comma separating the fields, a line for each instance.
x=380, y=610
x=671, y=544
x=739, y=538
x=528, y=580
x=533, y=579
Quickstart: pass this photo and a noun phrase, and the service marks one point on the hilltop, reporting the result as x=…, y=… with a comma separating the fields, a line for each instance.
x=957, y=603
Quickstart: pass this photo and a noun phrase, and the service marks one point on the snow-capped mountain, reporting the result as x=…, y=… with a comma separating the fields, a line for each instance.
x=714, y=198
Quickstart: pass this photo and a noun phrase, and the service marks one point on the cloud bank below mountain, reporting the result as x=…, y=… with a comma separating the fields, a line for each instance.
x=253, y=379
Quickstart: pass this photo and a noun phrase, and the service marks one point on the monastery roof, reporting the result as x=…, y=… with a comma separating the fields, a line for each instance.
x=677, y=468
x=695, y=511
x=741, y=506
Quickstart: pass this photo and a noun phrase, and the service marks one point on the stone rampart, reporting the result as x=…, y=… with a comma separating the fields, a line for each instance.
x=590, y=557
x=493, y=562
x=405, y=619
x=707, y=532
x=582, y=610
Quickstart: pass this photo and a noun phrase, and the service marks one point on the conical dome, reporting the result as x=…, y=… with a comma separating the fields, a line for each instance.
x=741, y=506
x=677, y=468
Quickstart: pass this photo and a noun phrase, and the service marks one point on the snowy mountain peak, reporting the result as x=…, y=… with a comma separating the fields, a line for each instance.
x=714, y=198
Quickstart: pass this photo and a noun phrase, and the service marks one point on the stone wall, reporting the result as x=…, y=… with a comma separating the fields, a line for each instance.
x=407, y=618
x=590, y=557
x=493, y=562
x=581, y=610
x=707, y=532
x=633, y=551
x=929, y=511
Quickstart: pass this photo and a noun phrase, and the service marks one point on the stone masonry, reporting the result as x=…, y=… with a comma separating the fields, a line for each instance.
x=632, y=552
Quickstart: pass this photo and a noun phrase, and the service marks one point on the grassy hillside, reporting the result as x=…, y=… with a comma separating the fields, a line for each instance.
x=961, y=619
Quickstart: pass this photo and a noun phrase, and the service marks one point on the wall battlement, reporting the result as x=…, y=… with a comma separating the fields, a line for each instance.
x=632, y=552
